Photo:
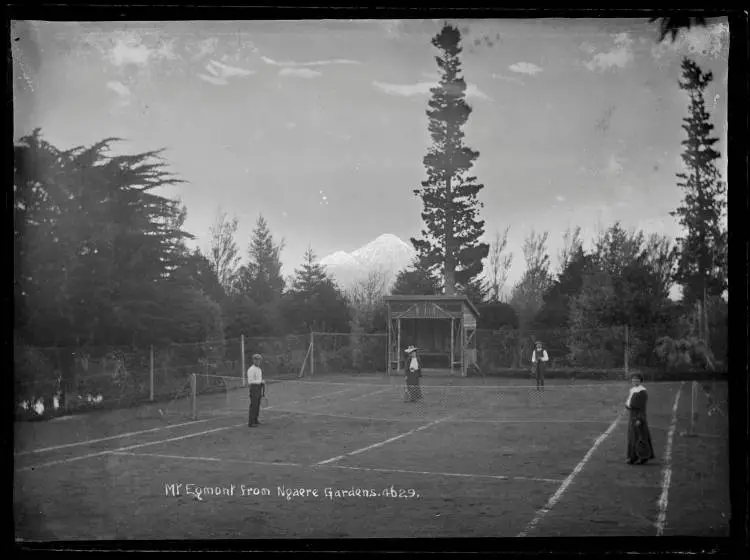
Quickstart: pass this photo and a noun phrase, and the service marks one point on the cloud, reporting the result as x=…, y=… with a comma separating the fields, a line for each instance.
x=221, y=70
x=299, y=73
x=392, y=27
x=587, y=47
x=705, y=41
x=166, y=51
x=617, y=57
x=614, y=166
x=423, y=88
x=290, y=63
x=474, y=91
x=207, y=46
x=511, y=79
x=225, y=71
x=560, y=198
x=120, y=89
x=407, y=90
x=126, y=52
x=217, y=81
x=219, y=73
x=525, y=68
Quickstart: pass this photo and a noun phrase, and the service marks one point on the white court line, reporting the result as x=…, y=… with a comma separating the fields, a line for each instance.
x=118, y=436
x=211, y=459
x=496, y=477
x=564, y=486
x=126, y=448
x=348, y=416
x=666, y=473
x=329, y=394
x=236, y=412
x=370, y=394
x=527, y=421
x=379, y=444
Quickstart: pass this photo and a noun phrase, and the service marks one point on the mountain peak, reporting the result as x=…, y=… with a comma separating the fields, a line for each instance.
x=387, y=253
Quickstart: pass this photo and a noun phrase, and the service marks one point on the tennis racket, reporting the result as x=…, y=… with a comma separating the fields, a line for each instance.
x=263, y=399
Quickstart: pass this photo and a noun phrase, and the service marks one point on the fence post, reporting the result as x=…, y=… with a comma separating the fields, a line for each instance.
x=242, y=358
x=151, y=375
x=312, y=353
x=193, y=391
x=627, y=352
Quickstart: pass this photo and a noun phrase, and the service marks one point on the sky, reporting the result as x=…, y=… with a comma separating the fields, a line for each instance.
x=320, y=125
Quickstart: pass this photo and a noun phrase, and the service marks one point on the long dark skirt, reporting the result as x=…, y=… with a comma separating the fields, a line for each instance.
x=414, y=391
x=255, y=394
x=640, y=447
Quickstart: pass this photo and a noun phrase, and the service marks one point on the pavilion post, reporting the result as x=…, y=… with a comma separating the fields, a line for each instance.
x=452, y=344
x=398, y=346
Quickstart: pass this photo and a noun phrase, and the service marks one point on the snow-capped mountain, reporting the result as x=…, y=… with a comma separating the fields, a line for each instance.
x=387, y=254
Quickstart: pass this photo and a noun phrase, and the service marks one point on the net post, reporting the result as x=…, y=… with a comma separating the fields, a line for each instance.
x=312, y=353
x=691, y=429
x=151, y=375
x=304, y=362
x=193, y=393
x=627, y=352
x=242, y=358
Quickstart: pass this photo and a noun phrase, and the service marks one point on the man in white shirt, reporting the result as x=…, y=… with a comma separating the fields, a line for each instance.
x=257, y=388
x=539, y=359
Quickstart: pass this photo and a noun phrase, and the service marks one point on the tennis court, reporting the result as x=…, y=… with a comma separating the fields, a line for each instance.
x=346, y=457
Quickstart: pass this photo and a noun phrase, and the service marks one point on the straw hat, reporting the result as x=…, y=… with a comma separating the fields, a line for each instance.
x=411, y=349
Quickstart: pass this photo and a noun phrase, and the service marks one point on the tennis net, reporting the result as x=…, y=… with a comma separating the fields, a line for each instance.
x=391, y=399
x=708, y=410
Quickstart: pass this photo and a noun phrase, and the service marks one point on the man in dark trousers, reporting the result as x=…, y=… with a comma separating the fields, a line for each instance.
x=257, y=388
x=539, y=359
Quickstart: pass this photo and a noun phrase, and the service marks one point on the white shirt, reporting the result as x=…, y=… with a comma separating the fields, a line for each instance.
x=633, y=391
x=414, y=365
x=254, y=375
x=544, y=357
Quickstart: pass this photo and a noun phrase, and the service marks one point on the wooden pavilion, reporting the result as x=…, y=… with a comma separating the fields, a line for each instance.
x=440, y=326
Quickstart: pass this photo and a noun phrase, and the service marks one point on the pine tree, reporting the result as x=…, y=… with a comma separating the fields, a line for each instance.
x=477, y=291
x=310, y=276
x=261, y=279
x=449, y=195
x=315, y=302
x=702, y=265
x=415, y=280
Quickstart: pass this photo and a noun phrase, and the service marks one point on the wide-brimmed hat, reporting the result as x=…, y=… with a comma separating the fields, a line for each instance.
x=257, y=357
x=411, y=349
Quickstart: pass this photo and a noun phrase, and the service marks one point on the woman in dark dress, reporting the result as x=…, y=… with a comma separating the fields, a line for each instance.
x=413, y=373
x=640, y=448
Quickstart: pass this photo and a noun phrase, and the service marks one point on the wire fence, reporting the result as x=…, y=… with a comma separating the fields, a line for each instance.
x=63, y=379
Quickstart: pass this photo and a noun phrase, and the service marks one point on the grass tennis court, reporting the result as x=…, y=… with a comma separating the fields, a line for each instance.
x=475, y=459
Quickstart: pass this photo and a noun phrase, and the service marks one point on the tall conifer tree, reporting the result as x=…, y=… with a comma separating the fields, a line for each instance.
x=702, y=265
x=450, y=240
